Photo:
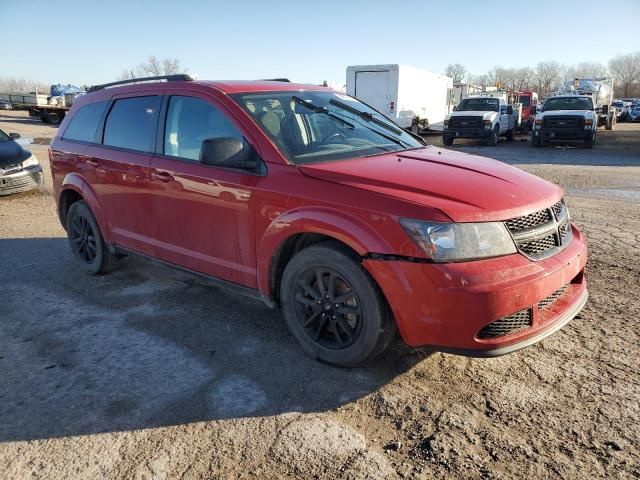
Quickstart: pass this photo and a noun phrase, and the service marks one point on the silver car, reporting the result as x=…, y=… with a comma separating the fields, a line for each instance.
x=20, y=169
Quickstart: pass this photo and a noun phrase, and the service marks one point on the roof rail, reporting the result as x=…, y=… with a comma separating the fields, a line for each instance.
x=180, y=77
x=276, y=80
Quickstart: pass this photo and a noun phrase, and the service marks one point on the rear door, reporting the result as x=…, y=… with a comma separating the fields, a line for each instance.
x=119, y=169
x=204, y=213
x=374, y=88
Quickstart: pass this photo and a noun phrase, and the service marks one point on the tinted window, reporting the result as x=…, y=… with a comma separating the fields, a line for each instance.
x=132, y=123
x=189, y=122
x=84, y=123
x=525, y=101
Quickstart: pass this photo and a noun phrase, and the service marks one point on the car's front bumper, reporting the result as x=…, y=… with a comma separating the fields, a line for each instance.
x=564, y=135
x=22, y=181
x=445, y=306
x=476, y=132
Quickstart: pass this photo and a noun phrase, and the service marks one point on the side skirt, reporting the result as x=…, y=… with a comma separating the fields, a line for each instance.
x=218, y=282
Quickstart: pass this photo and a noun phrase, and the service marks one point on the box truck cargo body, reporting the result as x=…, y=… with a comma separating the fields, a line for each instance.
x=414, y=98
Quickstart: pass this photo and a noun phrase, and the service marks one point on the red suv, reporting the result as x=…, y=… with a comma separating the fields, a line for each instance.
x=315, y=202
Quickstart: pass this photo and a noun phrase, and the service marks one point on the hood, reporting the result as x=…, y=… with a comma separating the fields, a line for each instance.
x=580, y=113
x=12, y=154
x=467, y=188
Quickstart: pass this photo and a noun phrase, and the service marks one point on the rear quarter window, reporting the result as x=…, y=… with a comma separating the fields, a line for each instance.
x=83, y=125
x=131, y=123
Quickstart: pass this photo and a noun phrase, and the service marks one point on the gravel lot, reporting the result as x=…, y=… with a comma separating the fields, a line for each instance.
x=153, y=373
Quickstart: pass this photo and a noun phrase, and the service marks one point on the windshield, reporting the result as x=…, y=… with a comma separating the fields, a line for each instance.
x=317, y=126
x=524, y=100
x=568, y=103
x=4, y=137
x=479, y=105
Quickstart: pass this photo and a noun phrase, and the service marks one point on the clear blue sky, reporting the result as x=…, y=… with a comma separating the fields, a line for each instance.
x=88, y=42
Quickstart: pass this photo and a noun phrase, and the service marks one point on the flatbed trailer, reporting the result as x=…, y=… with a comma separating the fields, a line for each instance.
x=52, y=114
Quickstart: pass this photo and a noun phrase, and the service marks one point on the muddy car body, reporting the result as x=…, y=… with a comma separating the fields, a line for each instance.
x=350, y=224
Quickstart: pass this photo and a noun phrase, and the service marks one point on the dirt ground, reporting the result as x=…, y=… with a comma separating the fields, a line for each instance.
x=152, y=373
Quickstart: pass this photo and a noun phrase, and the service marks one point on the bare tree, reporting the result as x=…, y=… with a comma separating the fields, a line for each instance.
x=153, y=67
x=21, y=85
x=626, y=70
x=586, y=70
x=547, y=76
x=456, y=71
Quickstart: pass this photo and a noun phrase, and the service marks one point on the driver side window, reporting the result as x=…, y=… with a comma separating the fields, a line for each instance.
x=190, y=121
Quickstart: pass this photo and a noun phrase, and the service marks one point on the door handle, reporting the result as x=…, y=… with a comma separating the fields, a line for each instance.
x=93, y=162
x=162, y=176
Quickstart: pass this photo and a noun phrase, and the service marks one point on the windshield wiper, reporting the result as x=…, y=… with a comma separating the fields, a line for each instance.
x=365, y=116
x=323, y=110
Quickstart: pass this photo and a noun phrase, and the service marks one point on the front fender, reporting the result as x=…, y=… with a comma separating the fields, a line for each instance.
x=75, y=182
x=340, y=225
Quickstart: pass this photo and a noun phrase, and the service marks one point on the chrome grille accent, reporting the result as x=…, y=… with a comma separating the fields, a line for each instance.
x=507, y=325
x=541, y=234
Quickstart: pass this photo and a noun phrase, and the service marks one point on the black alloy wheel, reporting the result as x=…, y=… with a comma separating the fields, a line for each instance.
x=83, y=238
x=333, y=306
x=86, y=242
x=328, y=308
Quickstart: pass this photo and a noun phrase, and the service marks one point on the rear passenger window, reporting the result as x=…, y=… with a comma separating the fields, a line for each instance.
x=189, y=122
x=84, y=123
x=132, y=122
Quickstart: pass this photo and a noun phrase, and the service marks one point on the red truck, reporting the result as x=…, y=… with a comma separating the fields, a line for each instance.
x=318, y=204
x=529, y=101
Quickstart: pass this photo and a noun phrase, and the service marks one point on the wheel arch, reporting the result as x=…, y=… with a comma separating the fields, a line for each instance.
x=292, y=232
x=75, y=188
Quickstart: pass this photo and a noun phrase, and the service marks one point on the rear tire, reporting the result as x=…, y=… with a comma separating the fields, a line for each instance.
x=86, y=242
x=333, y=307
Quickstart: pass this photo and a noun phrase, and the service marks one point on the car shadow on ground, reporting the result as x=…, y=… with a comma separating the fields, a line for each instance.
x=150, y=346
x=26, y=121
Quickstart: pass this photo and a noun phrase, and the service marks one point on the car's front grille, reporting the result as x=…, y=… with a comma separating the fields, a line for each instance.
x=507, y=325
x=543, y=233
x=545, y=302
x=529, y=221
x=465, y=122
x=563, y=121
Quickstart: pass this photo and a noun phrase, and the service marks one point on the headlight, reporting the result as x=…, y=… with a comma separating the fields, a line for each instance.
x=588, y=122
x=487, y=123
x=457, y=242
x=31, y=161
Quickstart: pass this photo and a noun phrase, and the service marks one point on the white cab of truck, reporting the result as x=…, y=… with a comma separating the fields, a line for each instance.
x=486, y=117
x=413, y=98
x=566, y=118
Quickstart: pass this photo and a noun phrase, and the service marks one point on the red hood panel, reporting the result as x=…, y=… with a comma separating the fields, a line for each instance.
x=467, y=188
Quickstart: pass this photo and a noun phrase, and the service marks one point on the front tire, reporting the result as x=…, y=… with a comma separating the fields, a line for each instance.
x=86, y=242
x=492, y=140
x=333, y=307
x=447, y=140
x=510, y=135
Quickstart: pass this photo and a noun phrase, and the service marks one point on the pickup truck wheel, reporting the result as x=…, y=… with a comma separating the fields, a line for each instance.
x=333, y=307
x=86, y=242
x=510, y=135
x=447, y=140
x=536, y=142
x=588, y=143
x=492, y=140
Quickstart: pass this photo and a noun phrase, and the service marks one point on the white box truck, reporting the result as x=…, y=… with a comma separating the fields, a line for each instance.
x=415, y=99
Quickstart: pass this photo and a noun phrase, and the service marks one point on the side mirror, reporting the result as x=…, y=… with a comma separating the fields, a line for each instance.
x=228, y=152
x=15, y=136
x=509, y=110
x=605, y=109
